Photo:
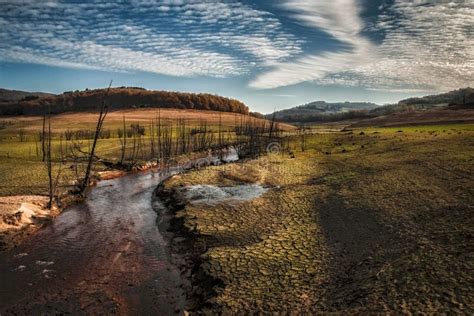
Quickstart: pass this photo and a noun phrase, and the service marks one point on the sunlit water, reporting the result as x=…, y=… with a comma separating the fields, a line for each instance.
x=211, y=194
x=106, y=255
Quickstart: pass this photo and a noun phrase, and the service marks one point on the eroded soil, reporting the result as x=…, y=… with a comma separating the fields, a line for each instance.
x=367, y=222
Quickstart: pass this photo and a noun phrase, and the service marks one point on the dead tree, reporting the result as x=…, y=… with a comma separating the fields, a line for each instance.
x=21, y=135
x=272, y=125
x=42, y=138
x=123, y=143
x=220, y=136
x=159, y=135
x=152, y=140
x=53, y=181
x=102, y=115
x=49, y=165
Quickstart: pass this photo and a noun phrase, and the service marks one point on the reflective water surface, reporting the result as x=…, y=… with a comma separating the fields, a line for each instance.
x=105, y=255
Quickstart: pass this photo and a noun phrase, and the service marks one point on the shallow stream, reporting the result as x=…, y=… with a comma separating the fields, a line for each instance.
x=103, y=256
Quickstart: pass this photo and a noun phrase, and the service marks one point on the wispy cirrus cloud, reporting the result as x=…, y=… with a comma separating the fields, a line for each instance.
x=427, y=47
x=338, y=18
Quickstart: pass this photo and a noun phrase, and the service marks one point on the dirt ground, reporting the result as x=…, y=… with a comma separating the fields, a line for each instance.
x=21, y=216
x=365, y=221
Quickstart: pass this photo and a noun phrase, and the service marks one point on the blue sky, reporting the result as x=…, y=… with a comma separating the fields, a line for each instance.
x=268, y=53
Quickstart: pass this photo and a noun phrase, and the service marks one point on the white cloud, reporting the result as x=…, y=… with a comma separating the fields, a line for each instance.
x=171, y=37
x=20, y=54
x=428, y=46
x=338, y=18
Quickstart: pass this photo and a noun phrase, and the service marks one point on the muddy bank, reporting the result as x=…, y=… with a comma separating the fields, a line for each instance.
x=187, y=249
x=185, y=244
x=184, y=239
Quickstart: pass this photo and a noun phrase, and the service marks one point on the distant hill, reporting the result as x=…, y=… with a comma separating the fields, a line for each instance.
x=456, y=97
x=121, y=98
x=460, y=97
x=320, y=110
x=325, y=112
x=16, y=95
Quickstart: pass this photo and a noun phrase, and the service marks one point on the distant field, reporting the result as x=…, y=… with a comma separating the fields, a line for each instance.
x=329, y=127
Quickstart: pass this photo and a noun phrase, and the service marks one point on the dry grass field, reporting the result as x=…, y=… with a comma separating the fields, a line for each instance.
x=374, y=220
x=84, y=120
x=435, y=116
x=23, y=173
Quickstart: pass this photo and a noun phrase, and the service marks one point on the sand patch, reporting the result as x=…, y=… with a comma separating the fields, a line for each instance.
x=20, y=215
x=19, y=211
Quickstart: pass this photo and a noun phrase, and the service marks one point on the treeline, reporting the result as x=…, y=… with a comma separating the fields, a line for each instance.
x=121, y=98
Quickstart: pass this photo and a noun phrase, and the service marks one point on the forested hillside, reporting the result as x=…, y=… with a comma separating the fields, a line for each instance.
x=458, y=97
x=319, y=110
x=120, y=98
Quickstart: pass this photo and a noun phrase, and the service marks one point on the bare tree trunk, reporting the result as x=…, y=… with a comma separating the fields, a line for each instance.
x=53, y=181
x=102, y=115
x=49, y=166
x=152, y=140
x=124, y=142
x=160, y=152
x=272, y=124
x=220, y=130
x=42, y=137
x=134, y=135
